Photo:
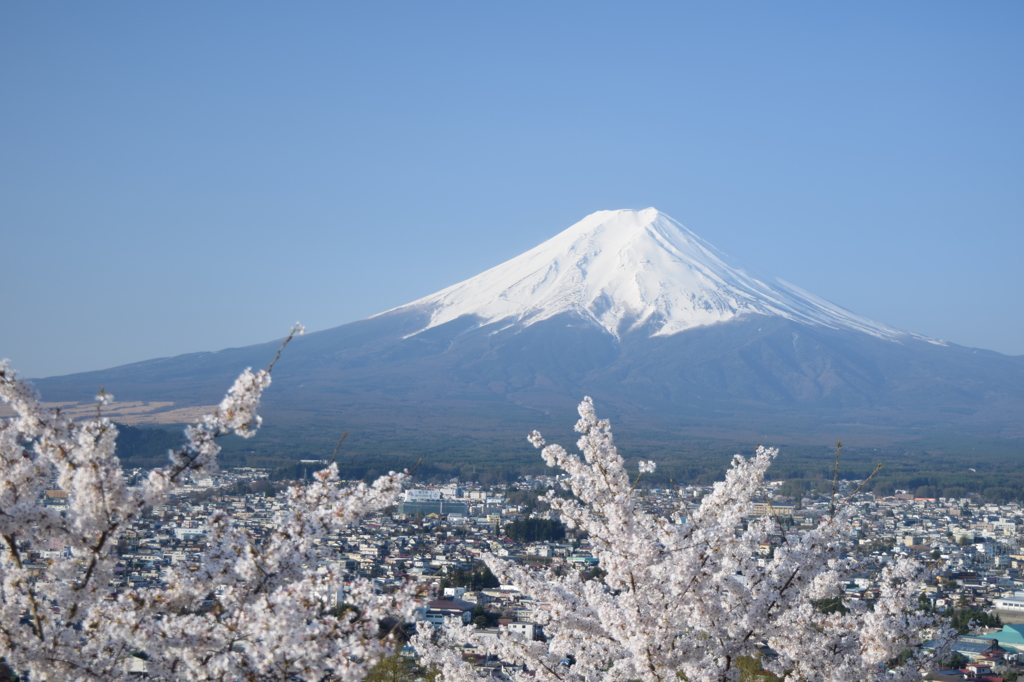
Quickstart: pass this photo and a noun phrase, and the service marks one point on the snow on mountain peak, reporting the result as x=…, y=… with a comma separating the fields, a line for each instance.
x=628, y=269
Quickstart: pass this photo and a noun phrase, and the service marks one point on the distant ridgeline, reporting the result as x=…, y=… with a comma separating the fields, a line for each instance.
x=996, y=477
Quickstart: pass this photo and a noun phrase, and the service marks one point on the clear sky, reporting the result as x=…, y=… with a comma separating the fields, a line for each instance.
x=177, y=177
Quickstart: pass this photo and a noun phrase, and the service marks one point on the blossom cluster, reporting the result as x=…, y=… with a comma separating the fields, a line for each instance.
x=275, y=610
x=688, y=598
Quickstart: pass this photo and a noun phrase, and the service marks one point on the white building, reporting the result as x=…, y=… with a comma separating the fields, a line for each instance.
x=1014, y=603
x=422, y=495
x=527, y=630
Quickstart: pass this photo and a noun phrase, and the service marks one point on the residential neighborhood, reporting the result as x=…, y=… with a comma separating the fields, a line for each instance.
x=437, y=536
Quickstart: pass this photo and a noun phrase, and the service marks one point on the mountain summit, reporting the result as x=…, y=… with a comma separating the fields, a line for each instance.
x=630, y=270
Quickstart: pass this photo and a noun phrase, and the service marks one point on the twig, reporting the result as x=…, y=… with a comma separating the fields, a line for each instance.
x=99, y=403
x=878, y=467
x=296, y=329
x=337, y=448
x=638, y=475
x=12, y=545
x=835, y=479
x=771, y=508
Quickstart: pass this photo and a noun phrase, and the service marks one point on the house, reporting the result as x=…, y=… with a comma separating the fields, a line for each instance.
x=439, y=609
x=527, y=630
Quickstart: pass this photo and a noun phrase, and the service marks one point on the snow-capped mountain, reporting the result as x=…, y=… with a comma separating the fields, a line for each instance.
x=628, y=307
x=628, y=270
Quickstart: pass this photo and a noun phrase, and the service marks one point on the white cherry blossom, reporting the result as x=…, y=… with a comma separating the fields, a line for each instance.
x=687, y=601
x=272, y=617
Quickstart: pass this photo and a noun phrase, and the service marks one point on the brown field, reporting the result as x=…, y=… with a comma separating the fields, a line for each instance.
x=1010, y=617
x=130, y=412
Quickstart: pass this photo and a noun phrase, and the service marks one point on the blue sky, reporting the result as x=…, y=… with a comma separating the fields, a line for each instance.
x=177, y=177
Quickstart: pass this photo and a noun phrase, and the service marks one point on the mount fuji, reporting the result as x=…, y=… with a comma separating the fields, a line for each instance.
x=627, y=306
